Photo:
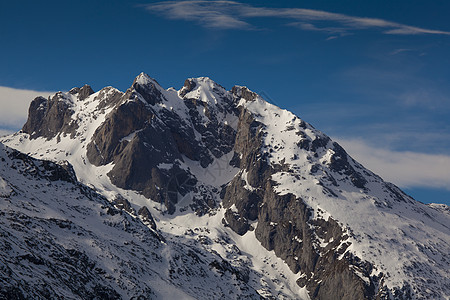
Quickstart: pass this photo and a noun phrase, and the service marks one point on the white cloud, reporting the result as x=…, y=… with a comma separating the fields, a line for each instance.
x=14, y=107
x=312, y=27
x=213, y=14
x=233, y=15
x=4, y=132
x=405, y=169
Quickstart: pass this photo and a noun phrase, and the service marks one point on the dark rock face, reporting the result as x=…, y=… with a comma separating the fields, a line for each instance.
x=224, y=266
x=188, y=86
x=340, y=163
x=121, y=203
x=235, y=221
x=183, y=136
x=148, y=89
x=147, y=217
x=53, y=116
x=45, y=169
x=285, y=226
x=48, y=118
x=284, y=222
x=243, y=92
x=137, y=136
x=248, y=144
x=124, y=120
x=289, y=239
x=82, y=92
x=216, y=137
x=85, y=92
x=36, y=114
x=137, y=157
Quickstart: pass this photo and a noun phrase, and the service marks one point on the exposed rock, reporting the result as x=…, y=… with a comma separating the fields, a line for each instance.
x=83, y=92
x=109, y=138
x=340, y=163
x=69, y=169
x=238, y=223
x=284, y=223
x=224, y=266
x=48, y=118
x=107, y=97
x=45, y=168
x=188, y=86
x=243, y=92
x=148, y=88
x=147, y=217
x=121, y=203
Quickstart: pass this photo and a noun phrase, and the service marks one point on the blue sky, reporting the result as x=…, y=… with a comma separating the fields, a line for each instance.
x=372, y=74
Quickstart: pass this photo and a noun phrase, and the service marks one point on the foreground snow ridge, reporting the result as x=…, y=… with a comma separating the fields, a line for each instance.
x=203, y=193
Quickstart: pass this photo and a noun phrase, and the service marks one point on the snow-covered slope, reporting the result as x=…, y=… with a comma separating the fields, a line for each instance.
x=228, y=175
x=61, y=239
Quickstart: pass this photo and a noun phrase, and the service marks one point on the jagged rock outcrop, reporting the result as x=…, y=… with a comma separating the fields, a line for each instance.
x=53, y=116
x=50, y=117
x=83, y=92
x=147, y=216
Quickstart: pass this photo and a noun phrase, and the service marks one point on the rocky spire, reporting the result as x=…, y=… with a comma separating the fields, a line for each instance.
x=83, y=92
x=148, y=88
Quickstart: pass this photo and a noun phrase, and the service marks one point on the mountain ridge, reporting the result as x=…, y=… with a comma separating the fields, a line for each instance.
x=273, y=176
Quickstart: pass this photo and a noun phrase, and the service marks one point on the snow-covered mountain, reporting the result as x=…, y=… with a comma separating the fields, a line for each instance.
x=204, y=193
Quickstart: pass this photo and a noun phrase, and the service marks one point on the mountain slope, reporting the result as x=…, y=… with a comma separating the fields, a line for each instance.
x=233, y=165
x=61, y=239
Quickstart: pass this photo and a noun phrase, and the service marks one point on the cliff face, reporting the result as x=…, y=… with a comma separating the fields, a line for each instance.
x=236, y=163
x=284, y=222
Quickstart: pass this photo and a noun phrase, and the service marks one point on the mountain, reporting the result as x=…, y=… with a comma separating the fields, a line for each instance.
x=228, y=196
x=62, y=240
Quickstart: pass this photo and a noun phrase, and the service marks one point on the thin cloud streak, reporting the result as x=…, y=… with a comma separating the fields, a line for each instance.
x=233, y=15
x=405, y=169
x=4, y=132
x=211, y=14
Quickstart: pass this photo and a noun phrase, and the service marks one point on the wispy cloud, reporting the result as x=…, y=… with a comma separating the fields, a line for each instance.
x=14, y=107
x=236, y=15
x=405, y=169
x=212, y=14
x=398, y=51
x=311, y=27
x=426, y=98
x=4, y=132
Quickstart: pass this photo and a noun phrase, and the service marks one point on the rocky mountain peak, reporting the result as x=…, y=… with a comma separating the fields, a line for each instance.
x=83, y=92
x=148, y=89
x=253, y=175
x=244, y=93
x=50, y=117
x=205, y=90
x=144, y=79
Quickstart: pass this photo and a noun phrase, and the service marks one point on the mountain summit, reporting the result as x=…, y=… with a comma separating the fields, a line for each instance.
x=238, y=198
